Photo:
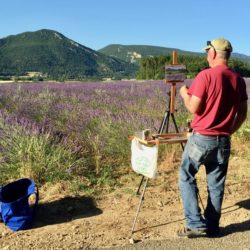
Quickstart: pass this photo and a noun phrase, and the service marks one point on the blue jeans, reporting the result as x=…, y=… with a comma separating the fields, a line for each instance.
x=213, y=152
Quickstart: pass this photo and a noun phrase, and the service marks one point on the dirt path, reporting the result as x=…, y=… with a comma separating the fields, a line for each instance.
x=233, y=241
x=68, y=222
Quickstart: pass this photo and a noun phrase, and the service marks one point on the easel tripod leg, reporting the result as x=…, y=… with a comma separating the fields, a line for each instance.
x=198, y=193
x=176, y=128
x=139, y=207
x=138, y=190
x=165, y=122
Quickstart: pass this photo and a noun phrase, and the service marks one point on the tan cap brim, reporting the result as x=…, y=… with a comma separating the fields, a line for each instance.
x=207, y=48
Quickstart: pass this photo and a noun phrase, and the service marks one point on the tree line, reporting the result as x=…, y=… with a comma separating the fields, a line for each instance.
x=154, y=67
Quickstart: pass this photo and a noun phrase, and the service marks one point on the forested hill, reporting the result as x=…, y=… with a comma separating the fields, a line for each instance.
x=133, y=53
x=54, y=55
x=151, y=60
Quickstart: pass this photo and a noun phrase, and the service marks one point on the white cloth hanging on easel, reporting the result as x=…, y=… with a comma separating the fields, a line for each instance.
x=144, y=159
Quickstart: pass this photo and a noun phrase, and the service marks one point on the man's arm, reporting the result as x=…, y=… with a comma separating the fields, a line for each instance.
x=192, y=103
x=240, y=116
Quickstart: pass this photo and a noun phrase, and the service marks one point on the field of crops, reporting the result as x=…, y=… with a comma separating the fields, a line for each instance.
x=78, y=132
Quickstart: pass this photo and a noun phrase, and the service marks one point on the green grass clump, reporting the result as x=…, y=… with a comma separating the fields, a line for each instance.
x=28, y=152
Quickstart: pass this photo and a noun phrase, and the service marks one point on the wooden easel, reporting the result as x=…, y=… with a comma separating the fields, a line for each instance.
x=174, y=73
x=172, y=77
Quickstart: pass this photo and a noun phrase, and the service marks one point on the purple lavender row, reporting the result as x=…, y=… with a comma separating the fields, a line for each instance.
x=71, y=107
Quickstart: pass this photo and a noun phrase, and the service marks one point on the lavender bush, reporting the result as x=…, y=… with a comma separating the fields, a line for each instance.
x=78, y=131
x=28, y=150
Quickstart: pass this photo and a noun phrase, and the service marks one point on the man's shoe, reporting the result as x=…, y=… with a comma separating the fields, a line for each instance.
x=214, y=233
x=192, y=233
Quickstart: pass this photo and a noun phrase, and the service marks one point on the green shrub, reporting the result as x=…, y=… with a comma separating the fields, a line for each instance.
x=28, y=152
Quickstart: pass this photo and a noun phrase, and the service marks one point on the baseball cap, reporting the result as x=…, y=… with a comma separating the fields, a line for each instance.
x=219, y=44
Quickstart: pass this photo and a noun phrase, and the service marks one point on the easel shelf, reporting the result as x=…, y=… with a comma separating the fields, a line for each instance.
x=170, y=138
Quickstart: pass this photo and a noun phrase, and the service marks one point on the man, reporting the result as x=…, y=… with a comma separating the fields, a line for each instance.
x=218, y=99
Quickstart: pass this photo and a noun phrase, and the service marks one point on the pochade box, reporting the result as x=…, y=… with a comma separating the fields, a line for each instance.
x=175, y=73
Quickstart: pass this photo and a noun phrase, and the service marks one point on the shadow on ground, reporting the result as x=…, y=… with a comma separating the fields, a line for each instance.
x=233, y=228
x=245, y=204
x=242, y=226
x=65, y=210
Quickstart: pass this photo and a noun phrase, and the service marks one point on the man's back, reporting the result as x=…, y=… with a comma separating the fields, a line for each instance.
x=220, y=90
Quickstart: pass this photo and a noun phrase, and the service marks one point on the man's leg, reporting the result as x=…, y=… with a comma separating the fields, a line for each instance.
x=189, y=190
x=216, y=170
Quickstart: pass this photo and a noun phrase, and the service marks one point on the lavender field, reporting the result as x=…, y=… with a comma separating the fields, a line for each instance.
x=78, y=132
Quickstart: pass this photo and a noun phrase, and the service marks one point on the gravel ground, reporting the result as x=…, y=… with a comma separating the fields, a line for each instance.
x=240, y=240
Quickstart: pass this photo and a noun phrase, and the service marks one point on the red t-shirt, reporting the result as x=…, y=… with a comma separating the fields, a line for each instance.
x=221, y=90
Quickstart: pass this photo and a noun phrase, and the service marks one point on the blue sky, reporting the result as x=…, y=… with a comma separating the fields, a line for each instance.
x=182, y=24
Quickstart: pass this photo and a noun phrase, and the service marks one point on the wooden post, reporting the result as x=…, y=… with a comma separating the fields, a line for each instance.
x=174, y=57
x=173, y=87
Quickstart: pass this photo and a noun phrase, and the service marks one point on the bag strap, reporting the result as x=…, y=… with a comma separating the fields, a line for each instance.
x=33, y=189
x=1, y=204
x=36, y=202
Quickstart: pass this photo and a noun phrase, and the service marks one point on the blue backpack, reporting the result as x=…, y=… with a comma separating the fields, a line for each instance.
x=15, y=209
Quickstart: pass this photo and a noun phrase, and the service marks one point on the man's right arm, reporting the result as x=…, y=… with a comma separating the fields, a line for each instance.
x=192, y=103
x=240, y=116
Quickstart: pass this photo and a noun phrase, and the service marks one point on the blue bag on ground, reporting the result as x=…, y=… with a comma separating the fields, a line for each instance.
x=15, y=209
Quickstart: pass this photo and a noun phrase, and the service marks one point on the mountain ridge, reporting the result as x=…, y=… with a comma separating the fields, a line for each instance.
x=53, y=54
x=129, y=52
